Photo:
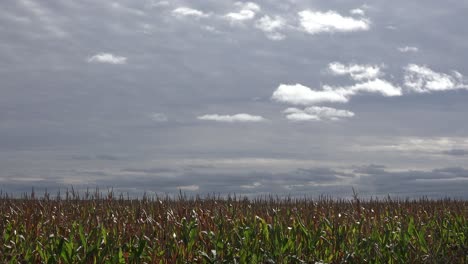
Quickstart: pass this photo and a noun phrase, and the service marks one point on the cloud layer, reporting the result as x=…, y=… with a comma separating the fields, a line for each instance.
x=108, y=93
x=159, y=117
x=369, y=180
x=317, y=113
x=456, y=152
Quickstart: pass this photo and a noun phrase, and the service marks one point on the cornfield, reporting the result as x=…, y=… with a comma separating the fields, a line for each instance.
x=106, y=229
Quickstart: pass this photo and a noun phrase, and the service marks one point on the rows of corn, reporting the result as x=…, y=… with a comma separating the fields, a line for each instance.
x=231, y=230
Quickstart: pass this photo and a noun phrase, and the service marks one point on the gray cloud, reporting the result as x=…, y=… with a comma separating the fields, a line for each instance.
x=103, y=157
x=240, y=183
x=159, y=117
x=108, y=157
x=65, y=120
x=456, y=152
x=437, y=182
x=369, y=181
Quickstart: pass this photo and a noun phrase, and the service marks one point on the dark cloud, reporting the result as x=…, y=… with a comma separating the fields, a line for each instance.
x=438, y=182
x=369, y=181
x=456, y=152
x=224, y=183
x=321, y=175
x=149, y=170
x=370, y=169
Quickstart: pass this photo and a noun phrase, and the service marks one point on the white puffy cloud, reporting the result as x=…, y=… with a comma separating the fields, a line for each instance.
x=299, y=94
x=379, y=86
x=317, y=113
x=108, y=58
x=301, y=116
x=271, y=25
x=358, y=12
x=357, y=72
x=417, y=79
x=240, y=16
x=189, y=12
x=302, y=95
x=315, y=22
x=247, y=11
x=421, y=79
x=367, y=77
x=232, y=118
x=248, y=6
x=408, y=49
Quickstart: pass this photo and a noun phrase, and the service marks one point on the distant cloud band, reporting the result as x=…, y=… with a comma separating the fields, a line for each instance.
x=232, y=118
x=317, y=113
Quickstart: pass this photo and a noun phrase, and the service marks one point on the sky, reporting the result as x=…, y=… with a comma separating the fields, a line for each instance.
x=292, y=97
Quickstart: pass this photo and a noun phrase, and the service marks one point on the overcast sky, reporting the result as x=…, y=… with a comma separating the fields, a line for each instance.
x=253, y=98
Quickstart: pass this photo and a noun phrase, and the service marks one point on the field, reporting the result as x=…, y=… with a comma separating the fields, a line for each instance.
x=107, y=229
